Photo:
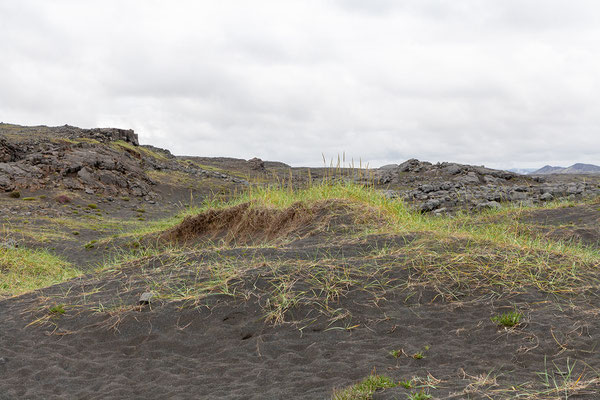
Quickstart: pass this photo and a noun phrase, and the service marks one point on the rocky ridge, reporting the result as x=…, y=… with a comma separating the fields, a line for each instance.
x=106, y=160
x=445, y=187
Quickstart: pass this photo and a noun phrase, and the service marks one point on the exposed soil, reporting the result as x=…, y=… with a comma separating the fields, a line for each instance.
x=244, y=224
x=579, y=223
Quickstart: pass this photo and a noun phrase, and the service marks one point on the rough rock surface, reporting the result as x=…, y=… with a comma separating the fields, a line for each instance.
x=256, y=164
x=104, y=160
x=444, y=187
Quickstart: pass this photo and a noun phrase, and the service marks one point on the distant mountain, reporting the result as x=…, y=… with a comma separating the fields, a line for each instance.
x=578, y=168
x=548, y=169
x=522, y=171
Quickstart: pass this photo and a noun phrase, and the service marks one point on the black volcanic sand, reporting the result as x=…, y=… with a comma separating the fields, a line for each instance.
x=106, y=346
x=578, y=223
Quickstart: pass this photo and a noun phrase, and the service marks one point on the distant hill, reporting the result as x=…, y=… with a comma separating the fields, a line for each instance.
x=522, y=171
x=582, y=169
x=578, y=168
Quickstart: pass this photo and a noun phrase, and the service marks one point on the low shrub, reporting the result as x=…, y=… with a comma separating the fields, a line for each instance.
x=62, y=199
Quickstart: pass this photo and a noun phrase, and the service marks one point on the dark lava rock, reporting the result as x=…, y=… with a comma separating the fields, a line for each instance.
x=256, y=164
x=450, y=186
x=8, y=152
x=104, y=160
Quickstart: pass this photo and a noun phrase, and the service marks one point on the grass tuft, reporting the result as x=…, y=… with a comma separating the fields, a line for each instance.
x=57, y=309
x=422, y=395
x=508, y=319
x=365, y=388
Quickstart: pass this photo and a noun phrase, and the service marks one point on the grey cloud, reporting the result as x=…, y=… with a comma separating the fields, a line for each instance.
x=505, y=84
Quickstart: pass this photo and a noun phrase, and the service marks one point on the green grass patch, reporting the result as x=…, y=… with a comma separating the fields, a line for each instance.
x=508, y=319
x=421, y=395
x=407, y=384
x=365, y=388
x=57, y=309
x=24, y=270
x=396, y=353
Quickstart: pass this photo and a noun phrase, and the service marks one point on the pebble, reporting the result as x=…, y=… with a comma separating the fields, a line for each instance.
x=146, y=298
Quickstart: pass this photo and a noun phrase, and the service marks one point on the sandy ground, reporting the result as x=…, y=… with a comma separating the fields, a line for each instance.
x=225, y=349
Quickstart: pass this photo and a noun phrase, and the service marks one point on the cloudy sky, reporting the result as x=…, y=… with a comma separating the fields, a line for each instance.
x=511, y=83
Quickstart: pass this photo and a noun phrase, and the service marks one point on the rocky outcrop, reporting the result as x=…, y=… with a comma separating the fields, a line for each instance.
x=8, y=152
x=93, y=160
x=411, y=170
x=445, y=187
x=256, y=164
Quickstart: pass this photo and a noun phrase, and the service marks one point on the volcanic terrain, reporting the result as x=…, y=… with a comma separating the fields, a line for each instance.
x=127, y=272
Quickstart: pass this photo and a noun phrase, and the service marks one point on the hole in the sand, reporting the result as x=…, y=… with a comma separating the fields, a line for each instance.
x=247, y=336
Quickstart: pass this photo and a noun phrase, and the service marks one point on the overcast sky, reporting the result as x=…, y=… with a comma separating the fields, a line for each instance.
x=501, y=83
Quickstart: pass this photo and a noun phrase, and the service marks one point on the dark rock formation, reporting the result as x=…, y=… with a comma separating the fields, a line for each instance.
x=256, y=164
x=444, y=187
x=8, y=153
x=93, y=160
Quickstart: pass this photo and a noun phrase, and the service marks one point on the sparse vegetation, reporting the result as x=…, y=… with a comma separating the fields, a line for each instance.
x=15, y=194
x=57, y=309
x=421, y=395
x=62, y=199
x=138, y=150
x=365, y=388
x=407, y=384
x=508, y=319
x=396, y=353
